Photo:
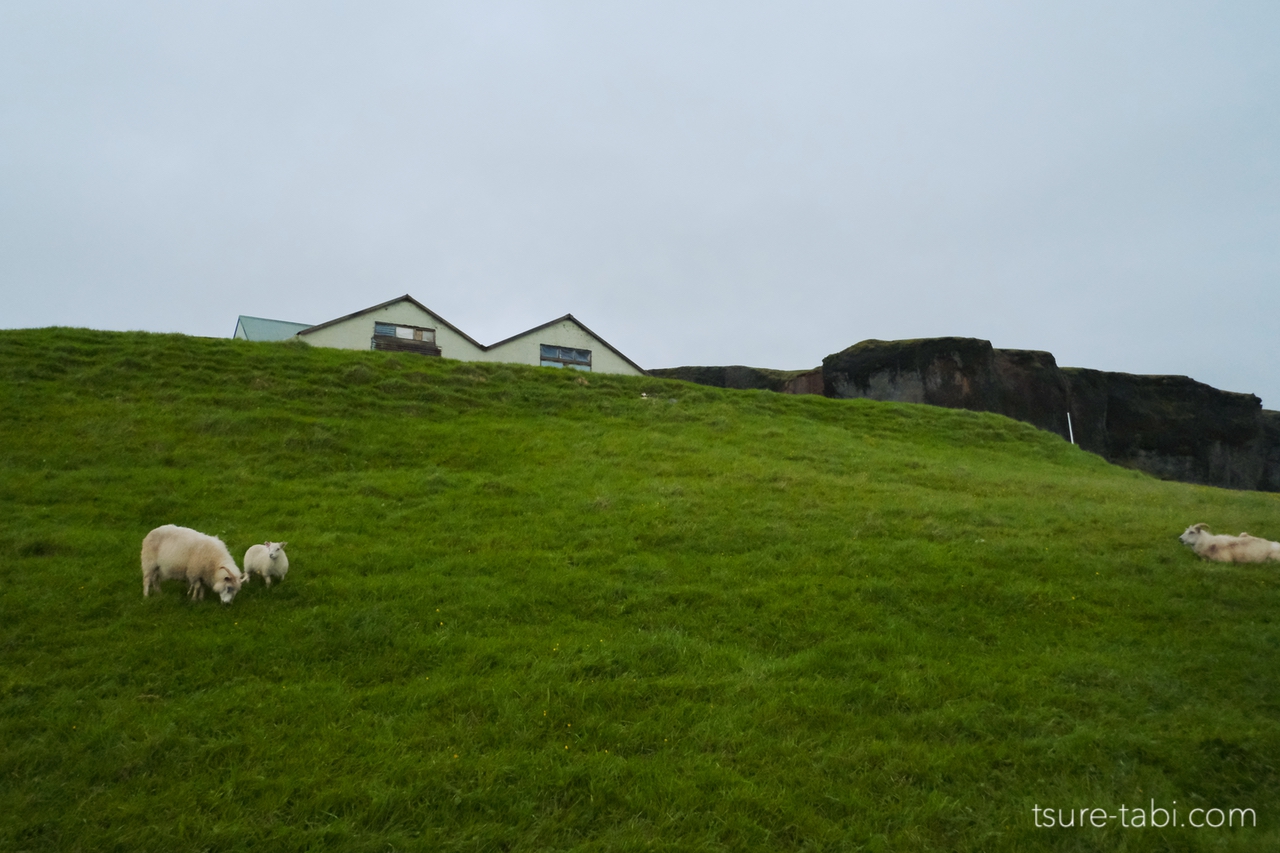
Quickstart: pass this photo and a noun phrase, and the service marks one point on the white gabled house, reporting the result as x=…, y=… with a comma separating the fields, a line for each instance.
x=406, y=325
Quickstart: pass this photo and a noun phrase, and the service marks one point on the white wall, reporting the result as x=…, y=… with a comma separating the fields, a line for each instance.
x=357, y=332
x=525, y=348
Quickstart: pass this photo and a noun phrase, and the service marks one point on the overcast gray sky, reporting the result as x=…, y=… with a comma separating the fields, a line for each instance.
x=700, y=183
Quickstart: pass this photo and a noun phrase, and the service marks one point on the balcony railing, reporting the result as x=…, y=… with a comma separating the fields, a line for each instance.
x=391, y=343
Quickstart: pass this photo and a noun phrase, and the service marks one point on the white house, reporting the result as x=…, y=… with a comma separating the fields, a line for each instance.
x=406, y=325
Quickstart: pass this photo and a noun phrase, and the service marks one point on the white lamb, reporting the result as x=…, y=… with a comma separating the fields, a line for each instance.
x=268, y=560
x=1229, y=549
x=172, y=552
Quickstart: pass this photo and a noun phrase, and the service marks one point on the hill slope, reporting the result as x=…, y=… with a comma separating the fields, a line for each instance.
x=530, y=609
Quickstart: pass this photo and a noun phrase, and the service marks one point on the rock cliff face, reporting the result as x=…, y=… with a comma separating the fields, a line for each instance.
x=959, y=373
x=1170, y=426
x=1271, y=441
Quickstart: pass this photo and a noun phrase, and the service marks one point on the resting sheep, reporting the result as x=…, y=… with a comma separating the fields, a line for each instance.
x=172, y=552
x=1229, y=549
x=268, y=560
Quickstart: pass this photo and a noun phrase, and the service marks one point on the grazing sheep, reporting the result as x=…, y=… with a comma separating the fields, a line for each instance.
x=1229, y=549
x=268, y=560
x=171, y=552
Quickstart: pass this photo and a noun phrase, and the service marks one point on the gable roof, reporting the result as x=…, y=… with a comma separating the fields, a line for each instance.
x=262, y=329
x=580, y=325
x=405, y=298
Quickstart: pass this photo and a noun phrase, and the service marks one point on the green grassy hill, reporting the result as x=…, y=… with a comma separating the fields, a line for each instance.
x=540, y=610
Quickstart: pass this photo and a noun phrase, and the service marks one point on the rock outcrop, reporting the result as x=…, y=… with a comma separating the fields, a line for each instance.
x=1271, y=441
x=959, y=373
x=1170, y=426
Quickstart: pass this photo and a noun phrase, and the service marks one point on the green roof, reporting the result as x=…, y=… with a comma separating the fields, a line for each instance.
x=260, y=329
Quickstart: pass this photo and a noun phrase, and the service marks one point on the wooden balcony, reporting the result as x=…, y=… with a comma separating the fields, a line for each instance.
x=391, y=343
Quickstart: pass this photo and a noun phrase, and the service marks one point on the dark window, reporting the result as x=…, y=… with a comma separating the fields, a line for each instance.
x=558, y=356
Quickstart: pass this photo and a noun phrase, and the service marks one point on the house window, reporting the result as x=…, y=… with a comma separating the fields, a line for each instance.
x=391, y=336
x=555, y=356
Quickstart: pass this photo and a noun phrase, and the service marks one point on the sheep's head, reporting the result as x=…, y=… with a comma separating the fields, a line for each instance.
x=226, y=583
x=1192, y=534
x=274, y=549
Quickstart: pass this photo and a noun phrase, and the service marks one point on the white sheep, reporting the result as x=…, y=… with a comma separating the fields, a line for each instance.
x=1229, y=549
x=268, y=560
x=172, y=552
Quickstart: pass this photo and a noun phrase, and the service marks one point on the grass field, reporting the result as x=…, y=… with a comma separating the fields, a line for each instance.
x=530, y=609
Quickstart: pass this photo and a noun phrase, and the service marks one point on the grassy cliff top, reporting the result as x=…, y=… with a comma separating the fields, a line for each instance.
x=532, y=609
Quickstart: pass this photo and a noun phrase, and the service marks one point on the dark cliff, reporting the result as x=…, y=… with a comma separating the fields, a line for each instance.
x=959, y=373
x=1170, y=426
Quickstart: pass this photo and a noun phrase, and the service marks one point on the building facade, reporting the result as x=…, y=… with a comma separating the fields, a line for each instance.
x=406, y=325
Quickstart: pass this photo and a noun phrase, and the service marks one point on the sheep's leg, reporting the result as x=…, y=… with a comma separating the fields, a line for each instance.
x=267, y=578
